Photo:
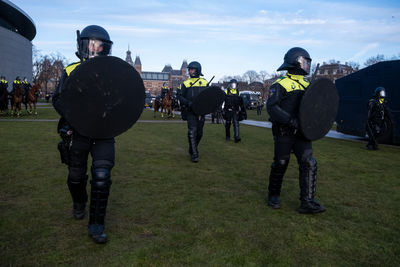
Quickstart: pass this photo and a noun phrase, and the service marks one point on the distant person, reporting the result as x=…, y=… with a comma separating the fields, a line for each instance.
x=377, y=109
x=3, y=94
x=164, y=91
x=285, y=96
x=216, y=116
x=233, y=109
x=74, y=148
x=190, y=89
x=26, y=87
x=260, y=104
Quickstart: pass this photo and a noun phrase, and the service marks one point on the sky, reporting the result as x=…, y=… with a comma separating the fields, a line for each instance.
x=227, y=37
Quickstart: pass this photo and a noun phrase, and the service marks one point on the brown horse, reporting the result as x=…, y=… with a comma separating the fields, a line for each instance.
x=166, y=105
x=31, y=98
x=17, y=100
x=156, y=105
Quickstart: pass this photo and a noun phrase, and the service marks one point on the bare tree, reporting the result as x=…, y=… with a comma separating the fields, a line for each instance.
x=263, y=76
x=372, y=60
x=47, y=68
x=251, y=76
x=354, y=65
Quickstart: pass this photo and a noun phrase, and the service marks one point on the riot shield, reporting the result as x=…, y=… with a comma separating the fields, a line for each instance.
x=208, y=101
x=102, y=97
x=318, y=109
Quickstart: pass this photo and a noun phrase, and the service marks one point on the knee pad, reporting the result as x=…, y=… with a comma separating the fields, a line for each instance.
x=101, y=174
x=280, y=164
x=76, y=175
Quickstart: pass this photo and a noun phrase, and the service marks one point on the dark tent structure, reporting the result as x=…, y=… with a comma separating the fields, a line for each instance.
x=356, y=89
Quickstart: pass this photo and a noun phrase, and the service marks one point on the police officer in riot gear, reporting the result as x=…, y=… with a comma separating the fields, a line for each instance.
x=74, y=148
x=190, y=89
x=377, y=109
x=233, y=107
x=3, y=94
x=283, y=103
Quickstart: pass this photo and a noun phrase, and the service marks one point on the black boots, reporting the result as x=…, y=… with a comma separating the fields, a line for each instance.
x=274, y=201
x=307, y=182
x=79, y=210
x=194, y=153
x=101, y=183
x=278, y=169
x=96, y=232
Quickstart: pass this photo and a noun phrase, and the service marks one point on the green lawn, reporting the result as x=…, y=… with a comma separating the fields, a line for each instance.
x=165, y=210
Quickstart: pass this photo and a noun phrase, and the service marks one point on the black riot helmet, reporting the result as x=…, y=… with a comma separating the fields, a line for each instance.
x=296, y=61
x=93, y=41
x=380, y=92
x=233, y=84
x=197, y=67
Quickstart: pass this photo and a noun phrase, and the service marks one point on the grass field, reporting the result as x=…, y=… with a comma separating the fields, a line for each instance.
x=165, y=210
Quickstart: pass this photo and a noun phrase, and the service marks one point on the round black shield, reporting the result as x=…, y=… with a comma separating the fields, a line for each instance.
x=103, y=97
x=208, y=101
x=318, y=109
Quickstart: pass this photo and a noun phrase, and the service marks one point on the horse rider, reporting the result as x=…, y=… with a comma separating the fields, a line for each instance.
x=17, y=82
x=377, y=109
x=190, y=89
x=233, y=108
x=285, y=96
x=26, y=86
x=164, y=91
x=4, y=92
x=74, y=148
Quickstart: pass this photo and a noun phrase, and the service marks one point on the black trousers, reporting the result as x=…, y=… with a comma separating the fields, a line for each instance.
x=231, y=117
x=259, y=109
x=283, y=145
x=103, y=155
x=195, y=125
x=302, y=148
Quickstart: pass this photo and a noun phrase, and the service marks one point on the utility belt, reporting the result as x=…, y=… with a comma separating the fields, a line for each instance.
x=283, y=130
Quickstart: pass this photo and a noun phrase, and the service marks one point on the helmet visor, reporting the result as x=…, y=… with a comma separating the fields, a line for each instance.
x=305, y=63
x=92, y=48
x=233, y=85
x=382, y=94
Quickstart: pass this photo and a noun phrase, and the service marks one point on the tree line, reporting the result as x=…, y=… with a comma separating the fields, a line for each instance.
x=47, y=69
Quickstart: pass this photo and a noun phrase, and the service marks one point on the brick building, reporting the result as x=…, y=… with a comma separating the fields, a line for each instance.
x=153, y=80
x=333, y=71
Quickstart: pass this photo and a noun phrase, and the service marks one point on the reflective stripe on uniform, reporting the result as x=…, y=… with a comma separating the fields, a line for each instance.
x=195, y=82
x=68, y=69
x=292, y=83
x=232, y=91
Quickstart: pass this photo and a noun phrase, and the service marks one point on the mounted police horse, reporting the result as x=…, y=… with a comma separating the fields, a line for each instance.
x=31, y=99
x=17, y=100
x=166, y=105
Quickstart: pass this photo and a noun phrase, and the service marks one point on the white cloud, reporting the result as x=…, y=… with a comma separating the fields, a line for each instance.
x=364, y=50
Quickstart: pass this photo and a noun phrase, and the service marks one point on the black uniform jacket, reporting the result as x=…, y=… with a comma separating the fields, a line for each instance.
x=67, y=71
x=190, y=89
x=233, y=101
x=284, y=98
